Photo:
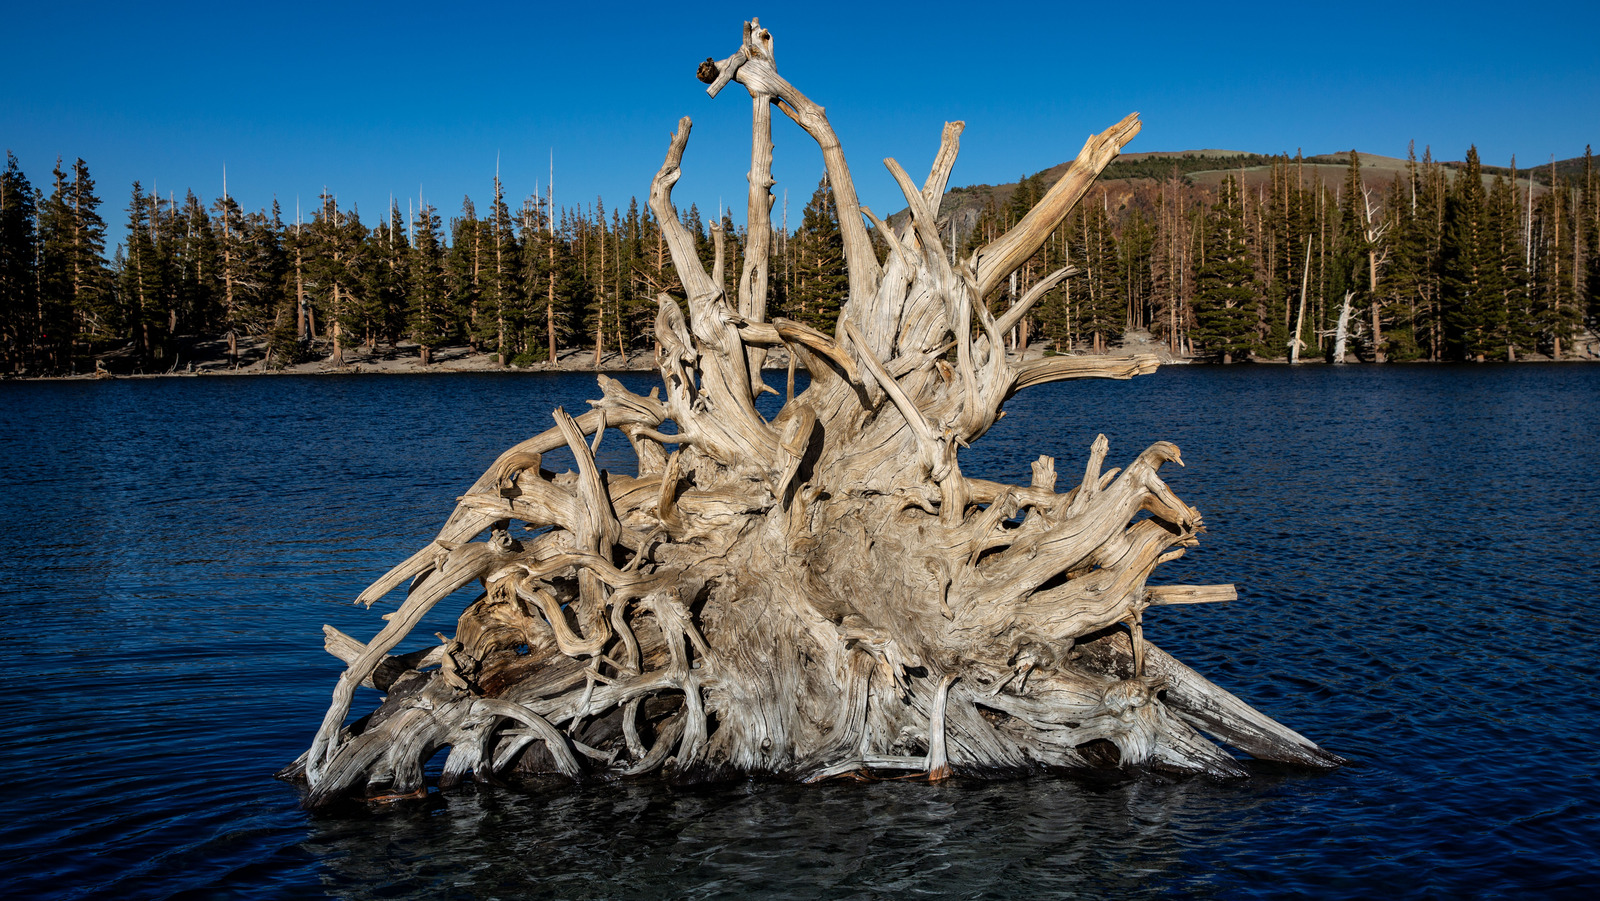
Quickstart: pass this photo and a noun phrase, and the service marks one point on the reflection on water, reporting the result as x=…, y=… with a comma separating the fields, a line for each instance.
x=1415, y=583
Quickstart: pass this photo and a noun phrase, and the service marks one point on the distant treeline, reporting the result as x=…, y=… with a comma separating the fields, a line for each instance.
x=518, y=282
x=1163, y=167
x=1433, y=267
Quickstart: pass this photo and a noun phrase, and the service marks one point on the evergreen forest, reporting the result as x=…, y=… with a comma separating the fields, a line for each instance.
x=1448, y=261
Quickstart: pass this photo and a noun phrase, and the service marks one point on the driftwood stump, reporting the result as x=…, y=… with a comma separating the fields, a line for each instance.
x=818, y=595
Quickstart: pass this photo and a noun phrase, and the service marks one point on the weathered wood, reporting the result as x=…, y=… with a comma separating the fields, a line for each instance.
x=821, y=595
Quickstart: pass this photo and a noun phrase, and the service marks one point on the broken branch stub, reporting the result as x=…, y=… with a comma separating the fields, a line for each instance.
x=817, y=595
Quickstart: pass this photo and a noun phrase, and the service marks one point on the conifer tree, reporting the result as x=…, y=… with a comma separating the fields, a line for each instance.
x=333, y=273
x=637, y=303
x=1351, y=283
x=1226, y=293
x=384, y=256
x=1407, y=273
x=91, y=279
x=18, y=258
x=1468, y=273
x=1136, y=250
x=141, y=283
x=1053, y=314
x=259, y=275
x=55, y=274
x=1508, y=284
x=822, y=281
x=1103, y=308
x=1431, y=199
x=534, y=239
x=502, y=289
x=658, y=271
x=1555, y=254
x=231, y=241
x=464, y=272
x=573, y=289
x=278, y=261
x=427, y=295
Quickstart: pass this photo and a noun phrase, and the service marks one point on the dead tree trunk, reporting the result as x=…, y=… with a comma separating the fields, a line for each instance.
x=817, y=595
x=1341, y=332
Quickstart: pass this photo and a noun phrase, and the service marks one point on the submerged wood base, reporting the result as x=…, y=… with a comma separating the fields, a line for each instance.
x=817, y=596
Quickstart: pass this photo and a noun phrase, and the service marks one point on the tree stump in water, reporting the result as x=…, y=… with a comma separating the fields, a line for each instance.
x=823, y=594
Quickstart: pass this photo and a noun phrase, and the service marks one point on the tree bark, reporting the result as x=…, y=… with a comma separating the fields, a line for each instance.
x=1295, y=342
x=1341, y=332
x=823, y=594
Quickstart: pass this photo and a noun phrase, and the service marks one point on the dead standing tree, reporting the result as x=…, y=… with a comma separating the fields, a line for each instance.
x=820, y=594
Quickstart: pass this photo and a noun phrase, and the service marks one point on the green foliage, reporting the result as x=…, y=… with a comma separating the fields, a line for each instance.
x=501, y=279
x=1226, y=292
x=1401, y=345
x=1469, y=268
x=71, y=270
x=430, y=316
x=18, y=255
x=821, y=283
x=1162, y=167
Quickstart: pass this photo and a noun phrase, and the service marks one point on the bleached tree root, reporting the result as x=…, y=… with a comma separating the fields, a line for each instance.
x=819, y=595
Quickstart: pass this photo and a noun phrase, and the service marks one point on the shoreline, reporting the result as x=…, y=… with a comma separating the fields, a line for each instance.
x=405, y=359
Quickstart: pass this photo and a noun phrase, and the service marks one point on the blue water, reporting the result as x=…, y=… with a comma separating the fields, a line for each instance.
x=1417, y=577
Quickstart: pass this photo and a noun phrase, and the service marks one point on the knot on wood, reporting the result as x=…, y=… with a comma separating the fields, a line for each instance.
x=708, y=71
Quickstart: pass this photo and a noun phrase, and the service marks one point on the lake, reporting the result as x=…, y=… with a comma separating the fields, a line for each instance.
x=1417, y=594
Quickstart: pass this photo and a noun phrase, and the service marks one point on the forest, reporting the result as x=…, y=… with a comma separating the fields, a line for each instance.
x=1445, y=262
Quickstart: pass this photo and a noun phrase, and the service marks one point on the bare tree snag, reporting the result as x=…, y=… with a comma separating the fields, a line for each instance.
x=823, y=594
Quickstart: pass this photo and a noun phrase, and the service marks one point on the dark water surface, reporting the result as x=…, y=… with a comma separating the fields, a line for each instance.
x=1414, y=550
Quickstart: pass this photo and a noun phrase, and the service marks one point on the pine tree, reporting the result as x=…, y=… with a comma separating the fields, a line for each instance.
x=1226, y=293
x=657, y=272
x=332, y=273
x=1406, y=279
x=636, y=305
x=18, y=257
x=502, y=287
x=464, y=273
x=91, y=279
x=1509, y=276
x=1136, y=254
x=430, y=318
x=1430, y=199
x=1555, y=310
x=822, y=282
x=53, y=320
x=384, y=257
x=277, y=261
x=1350, y=285
x=574, y=291
x=1102, y=312
x=232, y=244
x=534, y=238
x=141, y=283
x=1469, y=276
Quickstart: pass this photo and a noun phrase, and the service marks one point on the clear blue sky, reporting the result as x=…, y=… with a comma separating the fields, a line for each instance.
x=417, y=99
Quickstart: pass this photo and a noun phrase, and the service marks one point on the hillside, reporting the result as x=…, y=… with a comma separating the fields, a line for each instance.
x=1207, y=168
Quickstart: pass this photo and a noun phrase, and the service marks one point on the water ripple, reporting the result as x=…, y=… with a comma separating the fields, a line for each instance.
x=1415, y=594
